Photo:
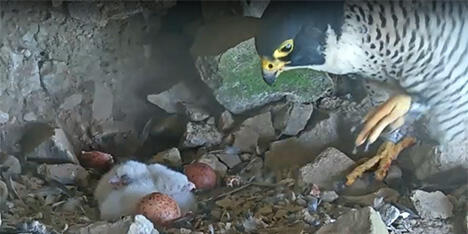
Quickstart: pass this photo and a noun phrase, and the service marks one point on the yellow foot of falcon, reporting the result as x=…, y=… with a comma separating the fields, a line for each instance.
x=387, y=152
x=390, y=114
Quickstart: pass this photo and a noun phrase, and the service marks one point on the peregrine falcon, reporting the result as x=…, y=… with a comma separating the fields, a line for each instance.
x=417, y=48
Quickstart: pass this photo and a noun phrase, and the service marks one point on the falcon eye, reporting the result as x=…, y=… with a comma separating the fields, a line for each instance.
x=286, y=48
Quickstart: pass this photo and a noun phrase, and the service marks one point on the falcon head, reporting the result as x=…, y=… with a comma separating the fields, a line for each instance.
x=293, y=35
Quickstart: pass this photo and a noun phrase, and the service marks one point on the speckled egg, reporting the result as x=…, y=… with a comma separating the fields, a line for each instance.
x=96, y=159
x=202, y=175
x=160, y=208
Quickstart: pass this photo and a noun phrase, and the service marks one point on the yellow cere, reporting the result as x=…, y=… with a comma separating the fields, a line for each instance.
x=272, y=65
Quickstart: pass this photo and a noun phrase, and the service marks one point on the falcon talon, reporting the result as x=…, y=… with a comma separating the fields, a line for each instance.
x=366, y=148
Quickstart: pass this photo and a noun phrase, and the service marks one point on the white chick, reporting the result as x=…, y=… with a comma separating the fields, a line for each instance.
x=174, y=184
x=119, y=190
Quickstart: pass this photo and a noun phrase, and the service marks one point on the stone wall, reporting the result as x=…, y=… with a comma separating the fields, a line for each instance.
x=85, y=67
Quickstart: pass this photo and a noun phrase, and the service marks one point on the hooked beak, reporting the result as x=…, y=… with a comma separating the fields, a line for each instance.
x=271, y=69
x=190, y=186
x=269, y=77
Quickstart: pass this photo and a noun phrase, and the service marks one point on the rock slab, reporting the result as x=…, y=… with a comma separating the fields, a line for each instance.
x=235, y=77
x=253, y=132
x=362, y=221
x=67, y=173
x=201, y=134
x=292, y=118
x=427, y=160
x=55, y=148
x=326, y=169
x=213, y=161
x=432, y=205
x=170, y=157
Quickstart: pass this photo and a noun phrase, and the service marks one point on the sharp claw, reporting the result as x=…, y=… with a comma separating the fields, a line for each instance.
x=366, y=149
x=373, y=137
x=361, y=138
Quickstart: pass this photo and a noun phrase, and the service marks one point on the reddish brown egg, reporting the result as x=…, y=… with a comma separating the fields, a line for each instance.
x=202, y=175
x=96, y=159
x=160, y=208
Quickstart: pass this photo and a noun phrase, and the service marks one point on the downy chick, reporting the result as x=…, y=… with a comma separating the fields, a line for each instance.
x=120, y=189
x=174, y=184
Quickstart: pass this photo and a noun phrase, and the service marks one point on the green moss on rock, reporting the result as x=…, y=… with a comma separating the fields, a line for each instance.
x=236, y=79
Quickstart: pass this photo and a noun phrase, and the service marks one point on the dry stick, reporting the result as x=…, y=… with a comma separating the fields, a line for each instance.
x=239, y=189
x=229, y=192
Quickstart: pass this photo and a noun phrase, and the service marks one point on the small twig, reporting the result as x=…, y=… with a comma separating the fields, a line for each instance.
x=241, y=188
x=57, y=204
x=228, y=193
x=266, y=185
x=83, y=210
x=13, y=188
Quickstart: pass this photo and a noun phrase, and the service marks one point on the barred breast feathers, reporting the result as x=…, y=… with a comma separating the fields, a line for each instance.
x=423, y=45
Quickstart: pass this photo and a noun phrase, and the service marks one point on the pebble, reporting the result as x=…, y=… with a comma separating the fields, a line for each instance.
x=4, y=117
x=301, y=202
x=312, y=205
x=142, y=225
x=311, y=218
x=327, y=219
x=30, y=117
x=245, y=157
x=225, y=121
x=195, y=113
x=388, y=213
x=211, y=121
x=328, y=196
x=10, y=165
x=310, y=198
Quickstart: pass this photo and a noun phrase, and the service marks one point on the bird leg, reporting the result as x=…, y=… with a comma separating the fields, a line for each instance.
x=390, y=114
x=387, y=152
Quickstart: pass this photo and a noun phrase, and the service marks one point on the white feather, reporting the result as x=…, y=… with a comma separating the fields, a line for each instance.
x=343, y=55
x=174, y=184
